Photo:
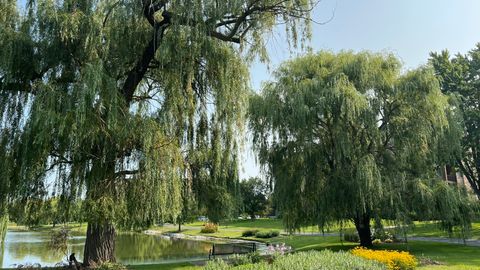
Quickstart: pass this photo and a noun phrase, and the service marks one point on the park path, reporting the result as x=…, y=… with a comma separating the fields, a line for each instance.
x=468, y=242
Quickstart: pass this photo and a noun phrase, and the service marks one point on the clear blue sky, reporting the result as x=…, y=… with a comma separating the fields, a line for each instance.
x=410, y=29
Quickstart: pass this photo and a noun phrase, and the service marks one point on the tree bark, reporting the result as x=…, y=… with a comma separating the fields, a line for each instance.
x=99, y=245
x=362, y=223
x=3, y=226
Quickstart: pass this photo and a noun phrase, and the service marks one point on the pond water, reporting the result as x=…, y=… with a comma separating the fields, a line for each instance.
x=131, y=248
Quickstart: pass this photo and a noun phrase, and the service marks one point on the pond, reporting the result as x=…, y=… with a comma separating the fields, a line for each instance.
x=131, y=248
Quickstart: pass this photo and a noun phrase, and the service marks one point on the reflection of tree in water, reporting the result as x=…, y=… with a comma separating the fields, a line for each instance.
x=2, y=247
x=20, y=250
x=141, y=247
x=131, y=247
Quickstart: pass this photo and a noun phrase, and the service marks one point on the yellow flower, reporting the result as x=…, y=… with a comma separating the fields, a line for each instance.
x=395, y=260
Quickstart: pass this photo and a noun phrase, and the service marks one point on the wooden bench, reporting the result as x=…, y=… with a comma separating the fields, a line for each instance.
x=231, y=248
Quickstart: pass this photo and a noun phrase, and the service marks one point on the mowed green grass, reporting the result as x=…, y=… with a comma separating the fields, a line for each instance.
x=234, y=228
x=74, y=227
x=432, y=229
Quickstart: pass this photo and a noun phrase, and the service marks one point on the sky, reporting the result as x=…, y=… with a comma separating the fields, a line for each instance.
x=410, y=29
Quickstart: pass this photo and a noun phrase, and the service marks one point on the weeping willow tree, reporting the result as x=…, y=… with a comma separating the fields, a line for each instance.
x=348, y=137
x=117, y=102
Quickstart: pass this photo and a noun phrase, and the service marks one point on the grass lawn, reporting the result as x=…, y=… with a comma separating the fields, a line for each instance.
x=432, y=229
x=234, y=229
x=74, y=227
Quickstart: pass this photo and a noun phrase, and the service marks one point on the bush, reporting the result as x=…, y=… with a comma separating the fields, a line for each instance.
x=110, y=266
x=384, y=235
x=395, y=260
x=249, y=258
x=325, y=260
x=267, y=234
x=209, y=228
x=278, y=249
x=351, y=237
x=238, y=259
x=376, y=241
x=249, y=233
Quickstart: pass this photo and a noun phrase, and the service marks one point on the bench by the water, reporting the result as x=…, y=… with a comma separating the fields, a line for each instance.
x=231, y=248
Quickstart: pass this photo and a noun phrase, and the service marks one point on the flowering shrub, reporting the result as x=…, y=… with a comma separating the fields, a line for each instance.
x=209, y=228
x=395, y=260
x=249, y=258
x=278, y=249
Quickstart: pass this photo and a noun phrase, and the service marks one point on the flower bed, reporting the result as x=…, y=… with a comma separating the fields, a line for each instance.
x=395, y=260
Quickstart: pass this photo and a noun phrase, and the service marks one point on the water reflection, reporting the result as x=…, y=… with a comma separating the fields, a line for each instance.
x=132, y=248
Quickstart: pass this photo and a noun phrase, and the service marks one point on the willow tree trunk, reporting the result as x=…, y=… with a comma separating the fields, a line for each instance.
x=362, y=224
x=3, y=227
x=99, y=245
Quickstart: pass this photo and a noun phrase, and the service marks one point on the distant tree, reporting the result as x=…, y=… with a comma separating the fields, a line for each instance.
x=254, y=196
x=348, y=137
x=189, y=203
x=460, y=76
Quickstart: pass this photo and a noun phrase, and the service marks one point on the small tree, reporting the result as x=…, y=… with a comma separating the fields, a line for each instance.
x=254, y=196
x=348, y=137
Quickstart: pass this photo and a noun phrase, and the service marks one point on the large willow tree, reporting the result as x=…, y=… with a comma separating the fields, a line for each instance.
x=348, y=137
x=115, y=101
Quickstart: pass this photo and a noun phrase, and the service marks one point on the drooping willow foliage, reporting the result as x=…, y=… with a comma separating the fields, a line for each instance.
x=459, y=75
x=348, y=137
x=124, y=102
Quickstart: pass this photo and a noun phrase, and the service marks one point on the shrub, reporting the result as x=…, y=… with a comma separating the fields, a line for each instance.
x=395, y=260
x=267, y=234
x=255, y=257
x=388, y=241
x=325, y=260
x=279, y=249
x=243, y=259
x=238, y=259
x=209, y=228
x=110, y=266
x=351, y=237
x=376, y=241
x=384, y=235
x=249, y=233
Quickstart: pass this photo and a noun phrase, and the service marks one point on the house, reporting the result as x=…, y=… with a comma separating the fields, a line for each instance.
x=453, y=176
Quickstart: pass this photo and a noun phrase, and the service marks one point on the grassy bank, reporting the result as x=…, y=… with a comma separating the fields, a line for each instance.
x=449, y=256
x=74, y=227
